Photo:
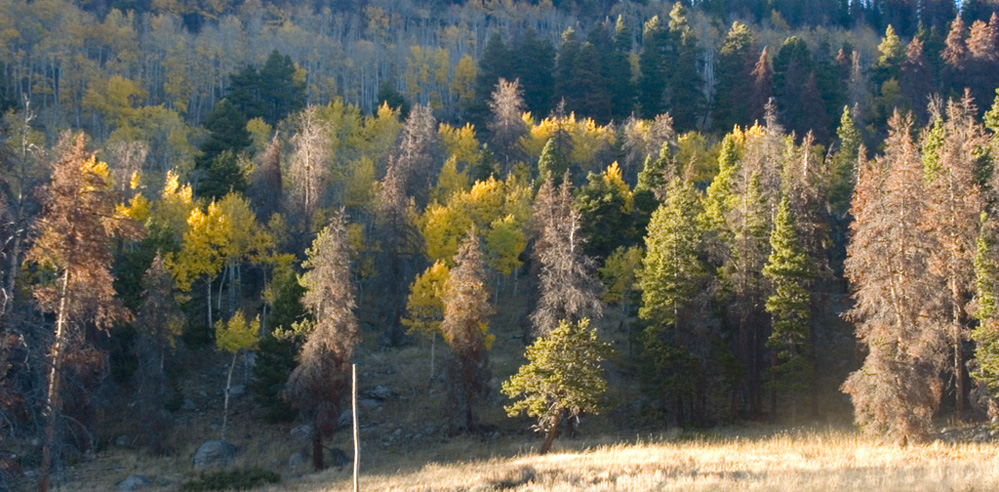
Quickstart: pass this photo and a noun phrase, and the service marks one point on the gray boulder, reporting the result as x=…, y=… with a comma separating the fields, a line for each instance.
x=379, y=392
x=346, y=419
x=214, y=454
x=133, y=482
x=237, y=391
x=339, y=459
x=296, y=460
x=303, y=433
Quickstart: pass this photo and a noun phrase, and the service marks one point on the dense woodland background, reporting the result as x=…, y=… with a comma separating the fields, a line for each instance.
x=728, y=181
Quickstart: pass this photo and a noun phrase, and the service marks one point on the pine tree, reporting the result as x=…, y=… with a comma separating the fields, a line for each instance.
x=77, y=220
x=686, y=97
x=227, y=132
x=790, y=273
x=552, y=164
x=506, y=125
x=733, y=88
x=562, y=380
x=622, y=91
x=672, y=276
x=159, y=322
x=843, y=162
x=319, y=384
x=533, y=61
x=465, y=327
x=655, y=57
x=986, y=335
x=897, y=389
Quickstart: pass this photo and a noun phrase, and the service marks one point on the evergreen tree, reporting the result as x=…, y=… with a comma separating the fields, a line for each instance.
x=271, y=94
x=986, y=335
x=567, y=89
x=622, y=91
x=843, y=176
x=656, y=55
x=790, y=274
x=733, y=89
x=606, y=205
x=226, y=127
x=672, y=275
x=533, y=61
x=684, y=82
x=497, y=62
x=552, y=164
x=562, y=379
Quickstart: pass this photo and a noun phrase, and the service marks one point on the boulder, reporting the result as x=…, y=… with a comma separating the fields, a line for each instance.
x=133, y=482
x=346, y=419
x=214, y=454
x=303, y=433
x=237, y=391
x=338, y=458
x=379, y=392
x=298, y=459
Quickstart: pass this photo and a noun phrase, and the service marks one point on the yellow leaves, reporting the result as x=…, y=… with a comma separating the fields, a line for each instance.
x=237, y=334
x=505, y=241
x=139, y=209
x=443, y=229
x=425, y=307
x=463, y=82
x=460, y=143
x=588, y=138
x=450, y=181
x=612, y=179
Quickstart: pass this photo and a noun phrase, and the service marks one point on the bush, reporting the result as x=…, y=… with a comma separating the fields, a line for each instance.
x=239, y=479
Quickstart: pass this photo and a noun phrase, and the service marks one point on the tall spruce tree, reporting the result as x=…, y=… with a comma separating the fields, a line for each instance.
x=656, y=56
x=790, y=273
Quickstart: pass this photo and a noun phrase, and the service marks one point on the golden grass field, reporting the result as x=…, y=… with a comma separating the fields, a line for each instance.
x=785, y=461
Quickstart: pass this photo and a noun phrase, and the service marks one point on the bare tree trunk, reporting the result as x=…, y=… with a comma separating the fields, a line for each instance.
x=550, y=435
x=228, y=385
x=54, y=402
x=208, y=287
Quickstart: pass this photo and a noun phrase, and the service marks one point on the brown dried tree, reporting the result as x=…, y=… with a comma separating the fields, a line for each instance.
x=507, y=105
x=954, y=206
x=309, y=168
x=898, y=388
x=320, y=382
x=72, y=247
x=466, y=317
x=568, y=290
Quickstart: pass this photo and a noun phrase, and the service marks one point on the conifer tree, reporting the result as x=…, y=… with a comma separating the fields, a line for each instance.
x=763, y=87
x=159, y=322
x=955, y=203
x=733, y=88
x=319, y=384
x=77, y=221
x=790, y=273
x=841, y=188
x=897, y=389
x=465, y=327
x=552, y=164
x=686, y=98
x=655, y=57
x=566, y=284
x=562, y=379
x=672, y=275
x=534, y=60
x=986, y=334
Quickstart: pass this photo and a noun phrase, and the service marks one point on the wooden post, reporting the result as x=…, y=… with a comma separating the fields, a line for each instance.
x=353, y=404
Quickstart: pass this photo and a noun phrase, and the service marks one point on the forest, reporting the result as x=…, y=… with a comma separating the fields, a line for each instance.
x=682, y=205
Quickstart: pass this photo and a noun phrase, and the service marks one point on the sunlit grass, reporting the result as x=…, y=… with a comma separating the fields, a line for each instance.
x=809, y=461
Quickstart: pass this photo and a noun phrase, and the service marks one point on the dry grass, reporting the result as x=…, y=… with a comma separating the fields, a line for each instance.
x=806, y=461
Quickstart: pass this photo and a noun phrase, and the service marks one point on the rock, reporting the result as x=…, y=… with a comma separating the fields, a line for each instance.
x=379, y=392
x=123, y=441
x=133, y=482
x=397, y=433
x=188, y=405
x=237, y=391
x=214, y=454
x=370, y=403
x=296, y=460
x=303, y=433
x=346, y=419
x=339, y=459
